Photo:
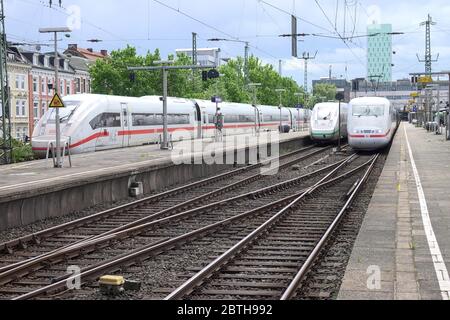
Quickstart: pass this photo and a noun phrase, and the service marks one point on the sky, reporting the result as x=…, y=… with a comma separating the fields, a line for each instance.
x=168, y=25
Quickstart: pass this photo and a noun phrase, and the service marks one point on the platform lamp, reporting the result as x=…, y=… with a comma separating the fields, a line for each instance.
x=55, y=31
x=281, y=91
x=339, y=96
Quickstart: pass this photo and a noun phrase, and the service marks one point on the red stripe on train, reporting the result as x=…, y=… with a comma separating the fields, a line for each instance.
x=360, y=136
x=152, y=131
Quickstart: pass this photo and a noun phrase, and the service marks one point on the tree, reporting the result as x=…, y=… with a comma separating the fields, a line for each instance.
x=322, y=92
x=110, y=76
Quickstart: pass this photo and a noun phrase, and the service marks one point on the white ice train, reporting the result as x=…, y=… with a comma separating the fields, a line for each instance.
x=100, y=122
x=324, y=126
x=372, y=122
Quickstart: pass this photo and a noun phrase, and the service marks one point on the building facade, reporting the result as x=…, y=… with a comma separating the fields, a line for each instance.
x=18, y=73
x=399, y=92
x=205, y=56
x=379, y=52
x=341, y=84
x=41, y=81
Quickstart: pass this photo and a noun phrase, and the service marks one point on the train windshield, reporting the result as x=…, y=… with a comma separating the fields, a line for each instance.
x=368, y=111
x=325, y=113
x=65, y=114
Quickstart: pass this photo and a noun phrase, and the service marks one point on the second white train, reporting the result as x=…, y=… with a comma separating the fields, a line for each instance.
x=372, y=122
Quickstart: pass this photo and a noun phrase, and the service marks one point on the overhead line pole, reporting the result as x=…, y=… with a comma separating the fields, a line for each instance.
x=6, y=143
x=165, y=69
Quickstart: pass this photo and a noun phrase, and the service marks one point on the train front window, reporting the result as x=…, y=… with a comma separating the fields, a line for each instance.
x=324, y=113
x=65, y=114
x=368, y=111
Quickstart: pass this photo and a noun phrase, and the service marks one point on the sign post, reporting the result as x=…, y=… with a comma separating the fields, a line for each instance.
x=55, y=31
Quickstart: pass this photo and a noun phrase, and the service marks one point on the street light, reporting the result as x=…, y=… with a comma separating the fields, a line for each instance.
x=165, y=140
x=298, y=94
x=281, y=91
x=247, y=47
x=55, y=31
x=339, y=96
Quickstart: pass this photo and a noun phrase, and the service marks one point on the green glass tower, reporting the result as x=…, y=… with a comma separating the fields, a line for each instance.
x=379, y=52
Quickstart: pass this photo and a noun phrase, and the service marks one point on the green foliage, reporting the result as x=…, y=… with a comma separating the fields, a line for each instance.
x=110, y=76
x=21, y=151
x=323, y=92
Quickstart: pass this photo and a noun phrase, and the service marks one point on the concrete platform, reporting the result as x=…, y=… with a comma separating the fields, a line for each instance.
x=35, y=190
x=403, y=249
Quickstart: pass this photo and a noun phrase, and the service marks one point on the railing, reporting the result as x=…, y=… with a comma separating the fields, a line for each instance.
x=66, y=147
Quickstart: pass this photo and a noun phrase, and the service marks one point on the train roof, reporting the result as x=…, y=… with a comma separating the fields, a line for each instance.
x=370, y=100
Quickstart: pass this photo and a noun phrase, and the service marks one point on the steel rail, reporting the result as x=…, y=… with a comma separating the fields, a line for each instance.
x=292, y=288
x=7, y=246
x=8, y=273
x=153, y=249
x=197, y=279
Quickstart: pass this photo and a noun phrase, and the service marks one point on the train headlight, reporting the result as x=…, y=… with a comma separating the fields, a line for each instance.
x=356, y=131
x=379, y=131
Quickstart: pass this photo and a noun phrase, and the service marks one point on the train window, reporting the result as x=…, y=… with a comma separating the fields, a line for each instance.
x=148, y=119
x=247, y=118
x=368, y=111
x=106, y=120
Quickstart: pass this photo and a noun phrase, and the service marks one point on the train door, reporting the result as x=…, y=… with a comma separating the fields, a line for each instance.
x=205, y=125
x=126, y=125
x=291, y=118
x=197, y=122
x=257, y=119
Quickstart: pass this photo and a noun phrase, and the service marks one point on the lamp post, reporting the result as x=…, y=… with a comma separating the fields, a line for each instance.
x=246, y=50
x=298, y=94
x=340, y=97
x=280, y=92
x=55, y=31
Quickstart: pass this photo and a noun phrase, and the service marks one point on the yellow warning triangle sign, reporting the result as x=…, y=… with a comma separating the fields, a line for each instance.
x=56, y=102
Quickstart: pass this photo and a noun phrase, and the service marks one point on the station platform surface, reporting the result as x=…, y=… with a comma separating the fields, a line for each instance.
x=19, y=178
x=403, y=249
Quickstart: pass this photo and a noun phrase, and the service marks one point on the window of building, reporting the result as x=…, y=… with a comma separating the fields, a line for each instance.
x=24, y=110
x=20, y=82
x=43, y=86
x=44, y=108
x=17, y=108
x=88, y=86
x=36, y=110
x=35, y=84
x=83, y=86
x=78, y=85
x=67, y=87
x=61, y=86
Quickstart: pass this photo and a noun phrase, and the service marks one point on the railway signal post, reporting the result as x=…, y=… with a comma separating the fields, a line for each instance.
x=55, y=31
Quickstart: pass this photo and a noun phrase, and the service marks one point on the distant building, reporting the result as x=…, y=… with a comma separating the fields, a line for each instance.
x=205, y=56
x=73, y=78
x=379, y=52
x=398, y=92
x=90, y=54
x=18, y=71
x=339, y=83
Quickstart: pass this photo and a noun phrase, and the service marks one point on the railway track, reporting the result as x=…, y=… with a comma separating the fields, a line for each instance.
x=272, y=261
x=166, y=243
x=154, y=206
x=17, y=270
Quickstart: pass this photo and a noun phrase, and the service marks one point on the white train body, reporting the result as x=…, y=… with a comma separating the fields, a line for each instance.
x=372, y=123
x=99, y=122
x=324, y=124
